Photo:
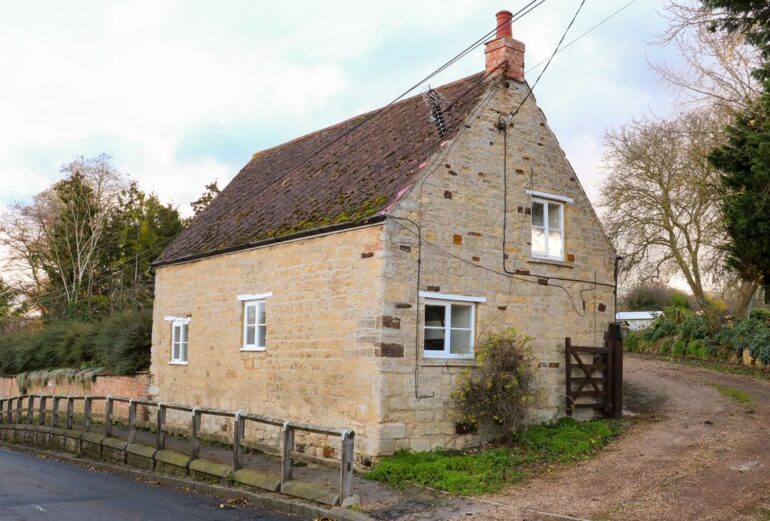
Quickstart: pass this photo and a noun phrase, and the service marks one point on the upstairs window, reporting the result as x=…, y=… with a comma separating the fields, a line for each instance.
x=547, y=229
x=180, y=331
x=254, y=326
x=254, y=321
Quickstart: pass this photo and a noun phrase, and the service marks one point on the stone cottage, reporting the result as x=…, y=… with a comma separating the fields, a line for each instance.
x=344, y=277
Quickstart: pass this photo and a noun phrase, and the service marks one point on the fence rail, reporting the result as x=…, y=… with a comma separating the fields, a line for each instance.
x=50, y=415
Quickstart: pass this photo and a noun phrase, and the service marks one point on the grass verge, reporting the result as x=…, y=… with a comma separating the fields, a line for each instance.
x=488, y=470
x=739, y=396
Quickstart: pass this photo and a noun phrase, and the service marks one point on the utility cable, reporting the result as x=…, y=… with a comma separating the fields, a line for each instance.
x=529, y=7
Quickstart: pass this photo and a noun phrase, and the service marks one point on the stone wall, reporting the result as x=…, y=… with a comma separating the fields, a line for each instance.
x=458, y=204
x=323, y=334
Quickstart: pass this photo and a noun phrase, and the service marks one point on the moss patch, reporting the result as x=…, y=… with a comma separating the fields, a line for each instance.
x=488, y=470
x=739, y=396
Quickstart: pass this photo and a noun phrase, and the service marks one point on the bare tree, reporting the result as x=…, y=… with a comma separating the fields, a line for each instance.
x=662, y=199
x=55, y=240
x=717, y=71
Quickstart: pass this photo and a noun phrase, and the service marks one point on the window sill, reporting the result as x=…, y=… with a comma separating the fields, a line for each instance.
x=178, y=363
x=448, y=362
x=546, y=260
x=252, y=349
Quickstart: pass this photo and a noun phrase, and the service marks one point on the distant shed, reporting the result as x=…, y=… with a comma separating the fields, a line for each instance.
x=636, y=320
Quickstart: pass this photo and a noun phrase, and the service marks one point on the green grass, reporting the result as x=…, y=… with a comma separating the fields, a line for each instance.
x=736, y=394
x=486, y=471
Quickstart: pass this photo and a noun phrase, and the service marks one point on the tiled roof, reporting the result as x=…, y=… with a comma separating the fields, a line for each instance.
x=349, y=181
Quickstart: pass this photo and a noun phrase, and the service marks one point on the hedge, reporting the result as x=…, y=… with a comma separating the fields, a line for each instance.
x=118, y=345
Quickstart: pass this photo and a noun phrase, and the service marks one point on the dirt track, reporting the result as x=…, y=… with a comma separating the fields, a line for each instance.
x=706, y=457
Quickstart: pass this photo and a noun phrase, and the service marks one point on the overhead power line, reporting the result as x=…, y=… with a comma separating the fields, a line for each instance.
x=528, y=8
x=603, y=21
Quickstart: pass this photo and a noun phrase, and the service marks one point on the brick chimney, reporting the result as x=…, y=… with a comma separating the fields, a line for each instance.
x=504, y=49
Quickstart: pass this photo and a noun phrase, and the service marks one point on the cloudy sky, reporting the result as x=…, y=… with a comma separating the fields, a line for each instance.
x=180, y=93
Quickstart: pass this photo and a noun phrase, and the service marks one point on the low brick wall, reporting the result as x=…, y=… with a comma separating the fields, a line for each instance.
x=134, y=386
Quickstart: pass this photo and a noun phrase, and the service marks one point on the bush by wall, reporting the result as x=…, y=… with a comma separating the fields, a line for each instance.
x=500, y=390
x=119, y=344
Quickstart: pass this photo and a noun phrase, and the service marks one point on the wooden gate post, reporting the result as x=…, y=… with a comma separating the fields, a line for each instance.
x=616, y=338
x=568, y=373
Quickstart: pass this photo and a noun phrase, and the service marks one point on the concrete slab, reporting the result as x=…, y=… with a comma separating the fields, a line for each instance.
x=255, y=478
x=311, y=491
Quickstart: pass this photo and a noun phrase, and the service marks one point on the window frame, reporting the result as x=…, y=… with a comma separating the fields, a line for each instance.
x=255, y=347
x=184, y=346
x=447, y=305
x=546, y=227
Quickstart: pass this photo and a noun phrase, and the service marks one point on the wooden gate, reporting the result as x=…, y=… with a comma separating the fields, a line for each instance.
x=595, y=375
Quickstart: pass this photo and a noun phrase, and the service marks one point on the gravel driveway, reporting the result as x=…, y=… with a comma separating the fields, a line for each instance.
x=702, y=457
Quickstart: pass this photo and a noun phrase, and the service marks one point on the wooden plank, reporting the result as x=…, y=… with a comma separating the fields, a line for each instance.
x=590, y=367
x=598, y=405
x=587, y=349
x=579, y=380
x=588, y=394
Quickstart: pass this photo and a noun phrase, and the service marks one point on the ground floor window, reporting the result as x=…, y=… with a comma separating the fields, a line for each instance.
x=449, y=329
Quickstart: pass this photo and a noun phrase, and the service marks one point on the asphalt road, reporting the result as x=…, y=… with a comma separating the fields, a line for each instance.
x=33, y=489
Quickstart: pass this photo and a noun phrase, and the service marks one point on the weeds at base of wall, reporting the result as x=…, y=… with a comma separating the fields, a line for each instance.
x=487, y=470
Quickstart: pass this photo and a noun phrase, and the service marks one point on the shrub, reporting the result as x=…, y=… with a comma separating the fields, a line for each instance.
x=119, y=344
x=679, y=348
x=661, y=327
x=679, y=310
x=760, y=314
x=500, y=390
x=696, y=349
x=694, y=327
x=665, y=347
x=632, y=343
x=650, y=297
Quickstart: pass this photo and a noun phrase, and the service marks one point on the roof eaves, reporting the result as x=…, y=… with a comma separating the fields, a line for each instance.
x=276, y=240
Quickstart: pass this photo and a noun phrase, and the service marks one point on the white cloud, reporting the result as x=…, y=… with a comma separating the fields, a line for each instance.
x=135, y=78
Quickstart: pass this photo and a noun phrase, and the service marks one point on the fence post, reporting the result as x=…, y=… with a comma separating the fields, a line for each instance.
x=70, y=412
x=238, y=431
x=160, y=438
x=87, y=413
x=568, y=373
x=30, y=408
x=55, y=411
x=287, y=449
x=346, y=464
x=131, y=420
x=43, y=403
x=617, y=359
x=195, y=427
x=108, y=416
